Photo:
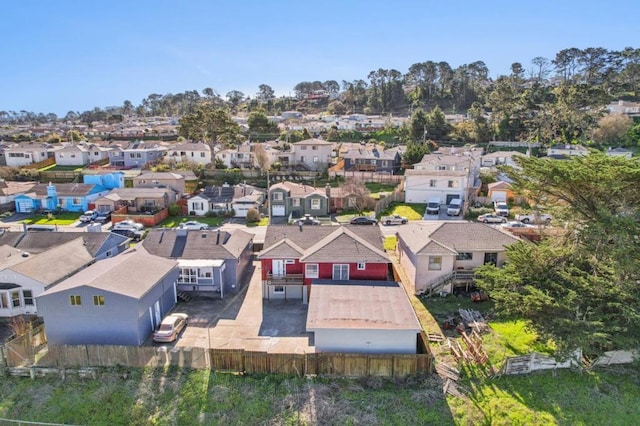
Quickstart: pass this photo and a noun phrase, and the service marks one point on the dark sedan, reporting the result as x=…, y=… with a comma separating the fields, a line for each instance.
x=363, y=220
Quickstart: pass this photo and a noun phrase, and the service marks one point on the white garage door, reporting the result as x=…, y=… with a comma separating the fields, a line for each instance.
x=240, y=210
x=277, y=211
x=25, y=206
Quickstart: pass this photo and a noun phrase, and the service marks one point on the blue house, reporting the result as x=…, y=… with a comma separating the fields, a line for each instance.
x=106, y=181
x=116, y=301
x=73, y=197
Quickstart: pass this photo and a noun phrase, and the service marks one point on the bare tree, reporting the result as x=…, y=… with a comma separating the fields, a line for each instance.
x=357, y=196
x=262, y=158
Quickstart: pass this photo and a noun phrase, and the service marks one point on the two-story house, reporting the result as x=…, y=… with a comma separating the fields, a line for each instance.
x=313, y=154
x=174, y=181
x=445, y=176
x=242, y=157
x=297, y=199
x=372, y=159
x=80, y=154
x=293, y=257
x=438, y=256
x=193, y=152
x=137, y=154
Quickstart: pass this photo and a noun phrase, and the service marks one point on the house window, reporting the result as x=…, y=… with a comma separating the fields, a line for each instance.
x=149, y=203
x=302, y=159
x=27, y=295
x=441, y=167
x=315, y=148
x=278, y=196
x=435, y=263
x=188, y=275
x=3, y=301
x=76, y=201
x=289, y=262
x=340, y=272
x=315, y=204
x=464, y=256
x=361, y=266
x=96, y=153
x=316, y=158
x=15, y=299
x=75, y=300
x=452, y=184
x=311, y=270
x=138, y=155
x=304, y=148
x=295, y=202
x=98, y=300
x=132, y=155
x=432, y=183
x=202, y=155
x=278, y=289
x=73, y=156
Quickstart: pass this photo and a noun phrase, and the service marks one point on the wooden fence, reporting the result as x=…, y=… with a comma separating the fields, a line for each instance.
x=239, y=361
x=396, y=196
x=22, y=350
x=362, y=176
x=40, y=164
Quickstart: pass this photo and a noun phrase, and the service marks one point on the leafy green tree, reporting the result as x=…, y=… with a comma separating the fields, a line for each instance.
x=437, y=126
x=583, y=289
x=210, y=125
x=414, y=153
x=258, y=122
x=418, y=126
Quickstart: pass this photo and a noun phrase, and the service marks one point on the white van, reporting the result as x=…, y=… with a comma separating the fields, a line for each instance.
x=433, y=205
x=455, y=207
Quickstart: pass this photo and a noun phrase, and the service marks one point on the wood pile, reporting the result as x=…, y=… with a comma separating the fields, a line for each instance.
x=450, y=377
x=474, y=320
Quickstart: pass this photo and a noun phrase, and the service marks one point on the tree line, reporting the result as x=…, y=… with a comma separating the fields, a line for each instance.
x=548, y=100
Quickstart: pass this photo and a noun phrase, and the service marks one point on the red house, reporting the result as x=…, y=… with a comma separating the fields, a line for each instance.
x=294, y=256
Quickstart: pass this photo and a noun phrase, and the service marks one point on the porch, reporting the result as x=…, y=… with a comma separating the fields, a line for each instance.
x=285, y=287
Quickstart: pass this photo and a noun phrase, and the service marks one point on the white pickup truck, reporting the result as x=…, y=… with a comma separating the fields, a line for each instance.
x=394, y=219
x=534, y=218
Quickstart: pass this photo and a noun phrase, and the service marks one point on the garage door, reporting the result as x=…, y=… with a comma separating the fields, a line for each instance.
x=25, y=207
x=277, y=210
x=240, y=210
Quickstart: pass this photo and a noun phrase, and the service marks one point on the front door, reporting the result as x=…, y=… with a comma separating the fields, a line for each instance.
x=277, y=267
x=340, y=272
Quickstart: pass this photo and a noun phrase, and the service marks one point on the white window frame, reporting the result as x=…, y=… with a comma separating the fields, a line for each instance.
x=278, y=289
x=342, y=267
x=311, y=274
x=278, y=196
x=362, y=266
x=432, y=183
x=295, y=202
x=315, y=204
x=435, y=263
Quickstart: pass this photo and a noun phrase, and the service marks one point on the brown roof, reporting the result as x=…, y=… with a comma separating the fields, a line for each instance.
x=174, y=244
x=132, y=273
x=350, y=246
x=456, y=236
x=360, y=304
x=306, y=237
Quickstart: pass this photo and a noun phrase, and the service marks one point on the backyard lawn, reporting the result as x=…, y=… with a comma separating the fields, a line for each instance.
x=53, y=219
x=173, y=221
x=410, y=211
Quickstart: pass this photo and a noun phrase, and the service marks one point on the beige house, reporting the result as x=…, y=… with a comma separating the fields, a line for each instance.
x=138, y=200
x=440, y=256
x=313, y=154
x=199, y=153
x=174, y=181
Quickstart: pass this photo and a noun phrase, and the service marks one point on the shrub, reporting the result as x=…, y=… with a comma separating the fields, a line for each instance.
x=211, y=213
x=175, y=210
x=253, y=215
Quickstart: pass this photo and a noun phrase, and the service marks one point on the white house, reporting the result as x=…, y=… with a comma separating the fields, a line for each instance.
x=24, y=154
x=199, y=153
x=619, y=152
x=313, y=154
x=446, y=176
x=499, y=158
x=242, y=157
x=566, y=150
x=80, y=154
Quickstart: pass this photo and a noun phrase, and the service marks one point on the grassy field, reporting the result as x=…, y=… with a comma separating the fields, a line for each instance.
x=173, y=221
x=53, y=219
x=410, y=211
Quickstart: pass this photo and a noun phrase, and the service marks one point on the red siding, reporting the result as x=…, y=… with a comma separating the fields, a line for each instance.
x=372, y=271
x=295, y=268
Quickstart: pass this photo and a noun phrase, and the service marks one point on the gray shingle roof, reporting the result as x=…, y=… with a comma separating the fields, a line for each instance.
x=325, y=243
x=37, y=242
x=132, y=274
x=458, y=236
x=170, y=243
x=366, y=304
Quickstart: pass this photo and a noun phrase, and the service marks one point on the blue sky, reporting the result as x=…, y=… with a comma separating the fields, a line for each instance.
x=76, y=55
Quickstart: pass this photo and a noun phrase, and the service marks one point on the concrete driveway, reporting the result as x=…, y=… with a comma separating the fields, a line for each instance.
x=246, y=321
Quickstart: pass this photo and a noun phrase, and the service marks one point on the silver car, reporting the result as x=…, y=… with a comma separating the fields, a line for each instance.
x=170, y=327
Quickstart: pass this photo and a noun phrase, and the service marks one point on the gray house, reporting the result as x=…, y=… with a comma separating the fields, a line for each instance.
x=297, y=199
x=117, y=301
x=136, y=154
x=212, y=262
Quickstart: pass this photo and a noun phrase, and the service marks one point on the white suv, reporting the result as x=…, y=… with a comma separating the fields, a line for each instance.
x=129, y=225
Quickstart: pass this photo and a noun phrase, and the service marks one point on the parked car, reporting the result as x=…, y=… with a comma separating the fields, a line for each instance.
x=129, y=233
x=363, y=220
x=394, y=219
x=193, y=225
x=515, y=224
x=492, y=218
x=88, y=216
x=455, y=207
x=170, y=327
x=128, y=224
x=501, y=208
x=307, y=220
x=103, y=217
x=534, y=218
